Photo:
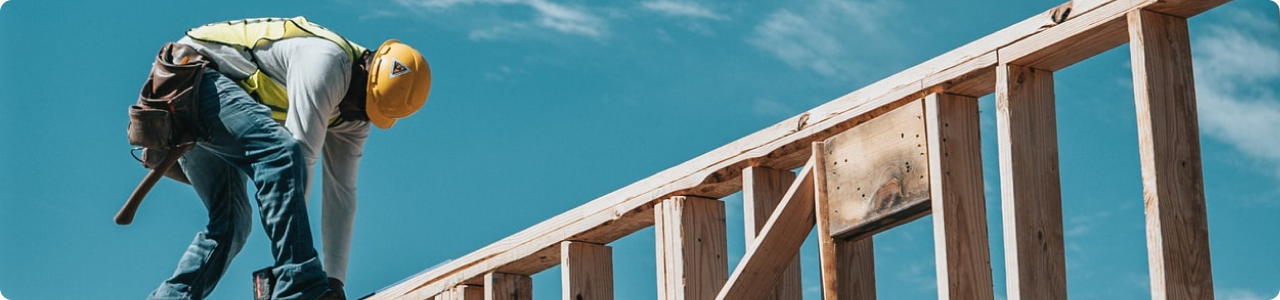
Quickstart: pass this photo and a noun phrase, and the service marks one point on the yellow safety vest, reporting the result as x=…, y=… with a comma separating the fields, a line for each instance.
x=250, y=33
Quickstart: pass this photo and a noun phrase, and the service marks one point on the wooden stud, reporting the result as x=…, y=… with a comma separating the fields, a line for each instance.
x=586, y=271
x=762, y=190
x=500, y=286
x=1169, y=143
x=1031, y=193
x=771, y=252
x=959, y=206
x=692, y=254
x=469, y=292
x=848, y=266
x=856, y=270
x=462, y=292
x=967, y=70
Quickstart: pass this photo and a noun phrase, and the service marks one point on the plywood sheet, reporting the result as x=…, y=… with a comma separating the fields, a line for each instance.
x=877, y=173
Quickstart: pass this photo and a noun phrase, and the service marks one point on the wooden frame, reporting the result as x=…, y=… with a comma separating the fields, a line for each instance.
x=586, y=271
x=958, y=204
x=847, y=264
x=691, y=248
x=500, y=286
x=1169, y=147
x=1040, y=44
x=877, y=173
x=1035, y=259
x=770, y=253
x=762, y=190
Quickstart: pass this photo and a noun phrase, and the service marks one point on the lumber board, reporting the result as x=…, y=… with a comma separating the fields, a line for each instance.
x=847, y=266
x=586, y=271
x=958, y=204
x=1169, y=151
x=1081, y=38
x=1184, y=8
x=500, y=286
x=780, y=239
x=877, y=174
x=762, y=190
x=692, y=255
x=1070, y=42
x=856, y=270
x=462, y=292
x=469, y=292
x=965, y=70
x=1030, y=189
x=827, y=265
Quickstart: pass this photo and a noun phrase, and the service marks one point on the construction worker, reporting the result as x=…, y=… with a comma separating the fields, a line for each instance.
x=281, y=93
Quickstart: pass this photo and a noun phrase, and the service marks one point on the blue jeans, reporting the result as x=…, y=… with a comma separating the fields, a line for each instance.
x=244, y=141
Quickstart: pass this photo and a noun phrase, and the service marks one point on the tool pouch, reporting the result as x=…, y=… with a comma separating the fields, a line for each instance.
x=165, y=115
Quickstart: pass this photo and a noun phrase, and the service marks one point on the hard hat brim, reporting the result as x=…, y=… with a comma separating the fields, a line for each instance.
x=380, y=121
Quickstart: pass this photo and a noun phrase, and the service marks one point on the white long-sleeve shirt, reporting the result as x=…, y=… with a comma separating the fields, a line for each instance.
x=316, y=73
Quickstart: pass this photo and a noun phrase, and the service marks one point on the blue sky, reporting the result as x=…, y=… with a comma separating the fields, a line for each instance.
x=539, y=106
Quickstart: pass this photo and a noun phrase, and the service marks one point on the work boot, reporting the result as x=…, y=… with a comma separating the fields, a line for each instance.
x=335, y=291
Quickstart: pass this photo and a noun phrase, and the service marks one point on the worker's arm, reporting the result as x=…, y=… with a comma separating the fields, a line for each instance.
x=317, y=74
x=343, y=148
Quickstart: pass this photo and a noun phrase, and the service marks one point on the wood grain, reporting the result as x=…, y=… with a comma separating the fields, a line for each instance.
x=691, y=248
x=847, y=266
x=762, y=191
x=780, y=239
x=964, y=70
x=1031, y=194
x=877, y=174
x=586, y=271
x=959, y=206
x=500, y=286
x=1169, y=147
x=469, y=292
x=856, y=269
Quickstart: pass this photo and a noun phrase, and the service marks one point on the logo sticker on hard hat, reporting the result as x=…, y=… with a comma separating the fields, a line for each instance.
x=398, y=68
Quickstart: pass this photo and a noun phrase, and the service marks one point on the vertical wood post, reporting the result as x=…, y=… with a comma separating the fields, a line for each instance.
x=462, y=292
x=769, y=255
x=855, y=270
x=762, y=190
x=959, y=206
x=499, y=286
x=1031, y=194
x=586, y=271
x=468, y=292
x=691, y=248
x=848, y=266
x=1169, y=146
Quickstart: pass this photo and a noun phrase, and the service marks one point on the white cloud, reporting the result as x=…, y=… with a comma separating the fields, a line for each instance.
x=806, y=38
x=682, y=9
x=1236, y=78
x=567, y=19
x=547, y=15
x=771, y=107
x=799, y=43
x=918, y=275
x=1082, y=225
x=1237, y=294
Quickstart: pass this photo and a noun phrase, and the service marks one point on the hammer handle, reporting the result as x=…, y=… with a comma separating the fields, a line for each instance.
x=125, y=216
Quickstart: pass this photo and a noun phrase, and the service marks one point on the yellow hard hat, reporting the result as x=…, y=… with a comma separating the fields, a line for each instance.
x=399, y=81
